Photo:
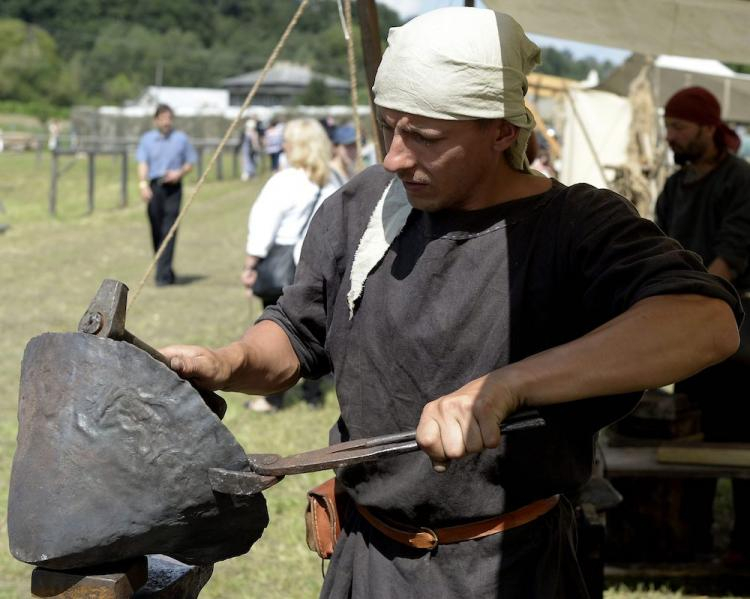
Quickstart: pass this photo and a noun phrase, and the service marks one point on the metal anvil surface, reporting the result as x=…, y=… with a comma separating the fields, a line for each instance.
x=112, y=461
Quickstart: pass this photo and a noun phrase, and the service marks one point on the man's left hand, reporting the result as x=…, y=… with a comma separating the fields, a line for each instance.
x=172, y=176
x=467, y=420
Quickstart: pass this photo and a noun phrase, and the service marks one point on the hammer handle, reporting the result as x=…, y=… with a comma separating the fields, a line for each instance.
x=215, y=402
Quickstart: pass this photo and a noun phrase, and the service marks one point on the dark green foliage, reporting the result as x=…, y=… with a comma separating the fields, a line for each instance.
x=316, y=94
x=103, y=51
x=563, y=64
x=739, y=68
x=59, y=52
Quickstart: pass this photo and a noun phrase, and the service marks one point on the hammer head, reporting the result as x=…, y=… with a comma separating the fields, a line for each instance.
x=105, y=316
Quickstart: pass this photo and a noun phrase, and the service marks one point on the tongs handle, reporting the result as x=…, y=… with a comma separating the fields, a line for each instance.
x=365, y=450
x=516, y=422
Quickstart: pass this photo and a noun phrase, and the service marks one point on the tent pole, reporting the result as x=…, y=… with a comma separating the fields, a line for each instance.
x=553, y=144
x=367, y=12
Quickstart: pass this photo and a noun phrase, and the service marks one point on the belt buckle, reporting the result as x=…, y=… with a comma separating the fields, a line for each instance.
x=434, y=541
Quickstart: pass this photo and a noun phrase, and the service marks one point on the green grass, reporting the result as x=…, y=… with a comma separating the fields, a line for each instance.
x=49, y=271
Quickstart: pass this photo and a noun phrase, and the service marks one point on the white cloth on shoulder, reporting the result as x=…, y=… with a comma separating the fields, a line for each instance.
x=385, y=223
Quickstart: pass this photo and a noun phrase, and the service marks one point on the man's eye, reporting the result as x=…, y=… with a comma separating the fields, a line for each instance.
x=425, y=141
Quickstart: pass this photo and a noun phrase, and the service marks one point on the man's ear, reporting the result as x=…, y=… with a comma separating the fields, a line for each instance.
x=505, y=135
x=710, y=131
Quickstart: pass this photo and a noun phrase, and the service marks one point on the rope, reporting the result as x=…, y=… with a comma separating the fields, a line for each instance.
x=347, y=26
x=220, y=147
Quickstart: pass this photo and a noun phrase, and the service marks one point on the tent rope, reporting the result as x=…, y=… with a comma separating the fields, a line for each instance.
x=346, y=24
x=220, y=147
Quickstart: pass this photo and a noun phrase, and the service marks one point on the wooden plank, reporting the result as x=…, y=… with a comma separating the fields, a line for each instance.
x=707, y=454
x=116, y=581
x=641, y=461
x=703, y=569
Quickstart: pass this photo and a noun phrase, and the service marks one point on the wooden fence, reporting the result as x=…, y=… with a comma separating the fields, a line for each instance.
x=125, y=149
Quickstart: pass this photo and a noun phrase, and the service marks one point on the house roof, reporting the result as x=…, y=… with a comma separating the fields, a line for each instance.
x=285, y=74
x=185, y=100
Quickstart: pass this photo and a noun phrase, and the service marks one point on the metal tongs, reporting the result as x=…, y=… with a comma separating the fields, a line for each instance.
x=266, y=469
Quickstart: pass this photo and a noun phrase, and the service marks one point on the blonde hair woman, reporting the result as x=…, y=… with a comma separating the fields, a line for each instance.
x=281, y=215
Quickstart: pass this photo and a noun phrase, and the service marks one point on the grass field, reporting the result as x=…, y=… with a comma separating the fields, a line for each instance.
x=49, y=271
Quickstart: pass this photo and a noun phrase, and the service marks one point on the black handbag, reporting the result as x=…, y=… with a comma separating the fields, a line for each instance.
x=276, y=270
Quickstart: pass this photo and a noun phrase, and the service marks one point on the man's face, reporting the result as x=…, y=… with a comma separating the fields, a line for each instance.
x=347, y=153
x=164, y=121
x=441, y=163
x=689, y=141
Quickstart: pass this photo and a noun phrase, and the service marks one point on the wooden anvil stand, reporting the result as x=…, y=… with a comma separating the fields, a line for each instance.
x=151, y=577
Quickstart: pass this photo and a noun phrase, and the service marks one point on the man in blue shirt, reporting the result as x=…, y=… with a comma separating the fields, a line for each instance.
x=164, y=157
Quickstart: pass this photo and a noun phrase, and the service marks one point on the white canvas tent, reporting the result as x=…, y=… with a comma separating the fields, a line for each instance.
x=697, y=29
x=718, y=29
x=595, y=136
x=671, y=73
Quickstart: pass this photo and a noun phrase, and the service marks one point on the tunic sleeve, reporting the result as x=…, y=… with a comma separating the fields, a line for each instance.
x=620, y=258
x=733, y=237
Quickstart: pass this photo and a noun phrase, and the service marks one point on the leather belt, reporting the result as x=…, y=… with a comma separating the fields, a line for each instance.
x=428, y=538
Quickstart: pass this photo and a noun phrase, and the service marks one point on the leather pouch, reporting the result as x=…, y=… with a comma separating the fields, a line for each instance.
x=325, y=507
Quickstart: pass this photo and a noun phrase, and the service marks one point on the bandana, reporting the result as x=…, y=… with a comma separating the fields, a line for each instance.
x=698, y=105
x=460, y=64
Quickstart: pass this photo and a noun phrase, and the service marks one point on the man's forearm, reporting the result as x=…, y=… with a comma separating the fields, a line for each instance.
x=261, y=362
x=143, y=172
x=658, y=341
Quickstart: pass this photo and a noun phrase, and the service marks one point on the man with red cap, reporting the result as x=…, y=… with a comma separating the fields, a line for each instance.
x=706, y=207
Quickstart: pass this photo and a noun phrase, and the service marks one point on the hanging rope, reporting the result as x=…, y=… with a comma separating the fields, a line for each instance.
x=346, y=24
x=217, y=152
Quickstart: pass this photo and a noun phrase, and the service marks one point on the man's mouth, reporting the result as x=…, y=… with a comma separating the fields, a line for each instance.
x=412, y=185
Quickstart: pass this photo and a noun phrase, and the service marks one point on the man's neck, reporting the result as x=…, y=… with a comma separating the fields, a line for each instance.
x=514, y=185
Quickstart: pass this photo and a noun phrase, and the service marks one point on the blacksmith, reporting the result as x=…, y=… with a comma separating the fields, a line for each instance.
x=705, y=206
x=449, y=288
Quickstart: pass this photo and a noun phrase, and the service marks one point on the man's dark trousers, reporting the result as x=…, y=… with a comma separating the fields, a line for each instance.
x=163, y=209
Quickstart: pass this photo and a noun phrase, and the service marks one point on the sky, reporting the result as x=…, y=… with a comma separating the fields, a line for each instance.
x=409, y=8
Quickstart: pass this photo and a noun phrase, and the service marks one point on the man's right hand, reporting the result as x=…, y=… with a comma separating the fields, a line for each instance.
x=248, y=278
x=207, y=368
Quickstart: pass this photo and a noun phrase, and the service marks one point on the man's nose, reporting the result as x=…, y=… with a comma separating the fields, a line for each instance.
x=399, y=157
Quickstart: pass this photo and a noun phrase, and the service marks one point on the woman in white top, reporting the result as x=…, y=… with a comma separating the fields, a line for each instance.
x=282, y=212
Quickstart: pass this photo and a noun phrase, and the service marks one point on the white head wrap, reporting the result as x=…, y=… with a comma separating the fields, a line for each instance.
x=460, y=64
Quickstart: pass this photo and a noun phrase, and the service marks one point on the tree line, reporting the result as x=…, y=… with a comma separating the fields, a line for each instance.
x=55, y=53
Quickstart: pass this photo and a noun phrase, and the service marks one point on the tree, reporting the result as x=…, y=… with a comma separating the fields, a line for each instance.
x=563, y=64
x=316, y=94
x=30, y=68
x=108, y=51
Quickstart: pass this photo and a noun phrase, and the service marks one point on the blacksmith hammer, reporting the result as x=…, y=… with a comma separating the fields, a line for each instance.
x=105, y=317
